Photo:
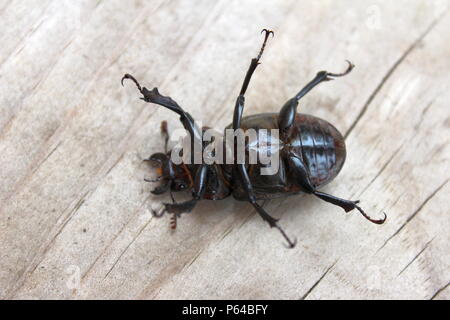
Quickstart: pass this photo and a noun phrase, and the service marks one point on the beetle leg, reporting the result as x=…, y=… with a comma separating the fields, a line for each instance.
x=242, y=171
x=303, y=179
x=255, y=62
x=179, y=208
x=252, y=199
x=154, y=96
x=289, y=110
x=239, y=106
x=165, y=134
x=198, y=192
x=348, y=205
x=273, y=223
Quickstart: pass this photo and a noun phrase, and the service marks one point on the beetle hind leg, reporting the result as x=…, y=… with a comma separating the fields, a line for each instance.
x=348, y=205
x=302, y=176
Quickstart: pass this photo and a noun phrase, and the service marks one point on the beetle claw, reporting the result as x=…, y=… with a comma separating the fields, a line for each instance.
x=349, y=69
x=129, y=76
x=268, y=32
x=291, y=244
x=376, y=221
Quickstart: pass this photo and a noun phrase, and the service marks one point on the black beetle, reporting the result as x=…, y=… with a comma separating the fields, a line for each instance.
x=312, y=154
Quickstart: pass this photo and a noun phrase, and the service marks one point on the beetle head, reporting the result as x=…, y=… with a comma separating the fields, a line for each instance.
x=172, y=177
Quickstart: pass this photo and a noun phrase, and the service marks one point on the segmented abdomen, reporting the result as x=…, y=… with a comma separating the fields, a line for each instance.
x=322, y=148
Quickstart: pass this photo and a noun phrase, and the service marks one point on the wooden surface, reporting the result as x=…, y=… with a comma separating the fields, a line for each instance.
x=74, y=218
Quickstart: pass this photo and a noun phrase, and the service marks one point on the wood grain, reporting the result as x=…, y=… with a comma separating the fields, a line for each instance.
x=74, y=215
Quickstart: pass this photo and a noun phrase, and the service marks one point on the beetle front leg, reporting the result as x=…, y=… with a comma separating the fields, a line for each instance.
x=153, y=96
x=289, y=110
x=165, y=134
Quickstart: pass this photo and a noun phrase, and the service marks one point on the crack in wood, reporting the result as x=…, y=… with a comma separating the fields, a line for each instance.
x=226, y=233
x=21, y=43
x=389, y=74
x=415, y=257
x=46, y=158
x=421, y=206
x=439, y=291
x=189, y=263
x=128, y=246
x=394, y=154
x=114, y=164
x=422, y=115
x=33, y=266
x=114, y=238
x=318, y=281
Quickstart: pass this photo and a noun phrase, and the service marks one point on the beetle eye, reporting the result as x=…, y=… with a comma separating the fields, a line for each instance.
x=179, y=185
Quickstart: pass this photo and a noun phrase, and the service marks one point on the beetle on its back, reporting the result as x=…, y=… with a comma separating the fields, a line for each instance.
x=311, y=154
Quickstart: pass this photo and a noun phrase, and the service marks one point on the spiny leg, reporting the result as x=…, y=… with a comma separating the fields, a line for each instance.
x=289, y=110
x=240, y=101
x=188, y=122
x=165, y=134
x=302, y=176
x=242, y=171
x=154, y=96
x=348, y=205
x=263, y=213
x=255, y=62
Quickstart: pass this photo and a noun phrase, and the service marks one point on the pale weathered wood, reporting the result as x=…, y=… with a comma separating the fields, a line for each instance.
x=74, y=219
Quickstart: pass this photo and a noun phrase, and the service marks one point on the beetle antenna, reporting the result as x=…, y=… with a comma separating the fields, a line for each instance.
x=129, y=76
x=173, y=221
x=153, y=180
x=171, y=196
x=377, y=221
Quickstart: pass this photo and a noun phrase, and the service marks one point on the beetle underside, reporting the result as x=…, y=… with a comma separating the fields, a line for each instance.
x=313, y=154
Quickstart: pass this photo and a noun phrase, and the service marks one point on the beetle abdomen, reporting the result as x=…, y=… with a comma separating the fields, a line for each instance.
x=321, y=146
x=317, y=142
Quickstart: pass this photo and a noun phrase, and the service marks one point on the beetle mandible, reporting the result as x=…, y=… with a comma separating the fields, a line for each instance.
x=312, y=153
